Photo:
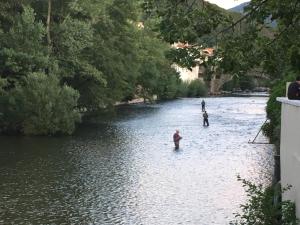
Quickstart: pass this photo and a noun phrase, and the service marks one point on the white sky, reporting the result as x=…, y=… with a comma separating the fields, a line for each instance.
x=227, y=4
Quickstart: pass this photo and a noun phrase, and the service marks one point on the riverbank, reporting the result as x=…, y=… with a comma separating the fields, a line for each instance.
x=138, y=100
x=242, y=94
x=250, y=94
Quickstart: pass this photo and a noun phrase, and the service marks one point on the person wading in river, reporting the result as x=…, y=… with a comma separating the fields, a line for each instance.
x=205, y=119
x=176, y=139
x=203, y=105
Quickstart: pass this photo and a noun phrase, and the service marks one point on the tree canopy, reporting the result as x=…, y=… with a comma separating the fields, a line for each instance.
x=60, y=60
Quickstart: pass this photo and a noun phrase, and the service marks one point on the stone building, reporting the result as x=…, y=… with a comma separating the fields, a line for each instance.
x=198, y=72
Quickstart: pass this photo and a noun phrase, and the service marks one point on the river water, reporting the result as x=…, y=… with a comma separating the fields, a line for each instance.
x=125, y=170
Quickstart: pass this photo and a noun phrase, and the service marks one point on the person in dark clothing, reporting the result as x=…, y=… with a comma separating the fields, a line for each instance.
x=294, y=90
x=203, y=105
x=176, y=139
x=205, y=119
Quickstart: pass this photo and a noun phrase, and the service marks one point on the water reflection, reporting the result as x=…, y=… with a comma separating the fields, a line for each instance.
x=125, y=170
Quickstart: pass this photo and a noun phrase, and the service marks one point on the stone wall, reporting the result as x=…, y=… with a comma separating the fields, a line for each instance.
x=186, y=74
x=217, y=82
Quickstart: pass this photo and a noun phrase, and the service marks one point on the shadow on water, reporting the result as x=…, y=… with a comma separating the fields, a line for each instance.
x=177, y=150
x=14, y=149
x=123, y=112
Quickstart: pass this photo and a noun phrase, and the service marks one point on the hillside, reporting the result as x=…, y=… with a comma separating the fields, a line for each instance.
x=239, y=8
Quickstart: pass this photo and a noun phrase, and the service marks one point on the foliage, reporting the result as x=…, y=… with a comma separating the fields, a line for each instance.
x=168, y=83
x=156, y=74
x=272, y=129
x=183, y=89
x=184, y=21
x=71, y=45
x=41, y=106
x=92, y=54
x=8, y=10
x=22, y=49
x=264, y=206
x=195, y=88
x=277, y=50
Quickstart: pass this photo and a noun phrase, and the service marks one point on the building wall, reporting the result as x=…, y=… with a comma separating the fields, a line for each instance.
x=187, y=75
x=290, y=150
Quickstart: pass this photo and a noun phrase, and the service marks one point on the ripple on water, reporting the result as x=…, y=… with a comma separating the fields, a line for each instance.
x=125, y=170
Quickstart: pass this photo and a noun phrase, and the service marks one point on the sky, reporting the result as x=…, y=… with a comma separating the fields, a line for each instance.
x=227, y=4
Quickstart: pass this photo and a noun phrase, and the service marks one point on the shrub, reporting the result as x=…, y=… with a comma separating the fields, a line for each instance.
x=197, y=89
x=40, y=106
x=264, y=206
x=183, y=89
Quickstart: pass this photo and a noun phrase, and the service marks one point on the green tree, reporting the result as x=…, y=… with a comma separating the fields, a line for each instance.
x=22, y=49
x=8, y=10
x=91, y=50
x=42, y=106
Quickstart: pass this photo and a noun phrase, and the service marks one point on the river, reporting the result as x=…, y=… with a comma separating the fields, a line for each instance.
x=124, y=170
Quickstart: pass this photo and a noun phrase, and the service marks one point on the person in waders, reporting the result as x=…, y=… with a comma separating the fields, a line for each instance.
x=205, y=119
x=176, y=139
x=203, y=105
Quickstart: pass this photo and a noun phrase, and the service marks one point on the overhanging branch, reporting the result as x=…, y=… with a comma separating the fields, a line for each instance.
x=242, y=18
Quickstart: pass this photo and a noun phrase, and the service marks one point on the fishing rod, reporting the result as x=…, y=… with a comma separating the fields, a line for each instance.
x=260, y=143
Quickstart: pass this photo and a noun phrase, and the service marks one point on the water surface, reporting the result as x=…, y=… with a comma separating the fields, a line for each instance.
x=125, y=170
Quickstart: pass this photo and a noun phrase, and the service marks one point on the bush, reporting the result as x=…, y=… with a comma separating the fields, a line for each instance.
x=40, y=106
x=183, y=89
x=264, y=206
x=197, y=89
x=168, y=83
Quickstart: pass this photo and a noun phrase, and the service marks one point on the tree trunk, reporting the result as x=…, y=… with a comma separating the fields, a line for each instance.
x=48, y=24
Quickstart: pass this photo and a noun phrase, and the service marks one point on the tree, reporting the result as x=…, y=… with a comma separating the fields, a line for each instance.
x=91, y=50
x=40, y=106
x=22, y=49
x=48, y=23
x=8, y=10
